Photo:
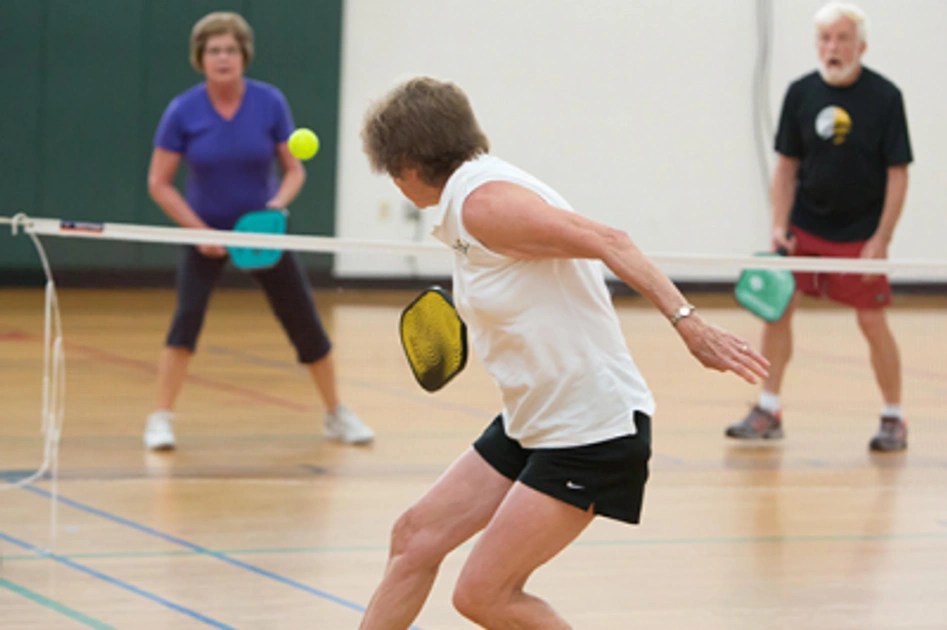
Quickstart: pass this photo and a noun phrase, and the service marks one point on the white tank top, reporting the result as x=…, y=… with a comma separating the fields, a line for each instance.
x=546, y=330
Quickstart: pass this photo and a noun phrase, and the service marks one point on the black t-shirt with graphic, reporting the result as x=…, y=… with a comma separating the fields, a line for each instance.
x=845, y=139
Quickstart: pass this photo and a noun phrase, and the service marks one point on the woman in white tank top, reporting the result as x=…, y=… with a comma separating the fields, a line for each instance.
x=528, y=282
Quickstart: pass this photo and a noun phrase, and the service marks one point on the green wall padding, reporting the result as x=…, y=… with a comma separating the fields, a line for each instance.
x=84, y=83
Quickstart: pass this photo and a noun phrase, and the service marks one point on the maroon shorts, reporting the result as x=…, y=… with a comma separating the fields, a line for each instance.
x=854, y=289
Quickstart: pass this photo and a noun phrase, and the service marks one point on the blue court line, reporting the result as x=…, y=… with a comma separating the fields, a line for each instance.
x=13, y=476
x=61, y=608
x=114, y=581
x=199, y=549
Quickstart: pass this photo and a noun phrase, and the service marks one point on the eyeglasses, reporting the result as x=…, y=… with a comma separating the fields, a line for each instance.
x=229, y=51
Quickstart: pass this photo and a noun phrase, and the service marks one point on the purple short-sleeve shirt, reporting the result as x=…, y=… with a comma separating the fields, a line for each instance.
x=231, y=164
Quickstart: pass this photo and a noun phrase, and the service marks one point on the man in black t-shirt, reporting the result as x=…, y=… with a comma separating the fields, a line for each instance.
x=837, y=190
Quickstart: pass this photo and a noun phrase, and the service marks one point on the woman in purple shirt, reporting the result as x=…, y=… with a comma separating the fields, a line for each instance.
x=231, y=133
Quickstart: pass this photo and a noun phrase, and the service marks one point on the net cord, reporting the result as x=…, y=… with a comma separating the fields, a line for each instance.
x=327, y=244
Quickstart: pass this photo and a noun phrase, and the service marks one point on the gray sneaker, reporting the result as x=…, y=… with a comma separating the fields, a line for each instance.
x=891, y=436
x=759, y=424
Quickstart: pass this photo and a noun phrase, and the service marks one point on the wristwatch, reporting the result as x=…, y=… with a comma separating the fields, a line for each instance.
x=681, y=313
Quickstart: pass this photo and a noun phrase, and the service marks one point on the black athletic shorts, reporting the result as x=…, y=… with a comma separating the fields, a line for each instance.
x=609, y=476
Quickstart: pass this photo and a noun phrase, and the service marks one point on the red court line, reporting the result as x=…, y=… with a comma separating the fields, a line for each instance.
x=147, y=367
x=860, y=362
x=14, y=335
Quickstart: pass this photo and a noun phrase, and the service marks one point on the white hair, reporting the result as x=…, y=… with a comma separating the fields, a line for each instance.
x=835, y=11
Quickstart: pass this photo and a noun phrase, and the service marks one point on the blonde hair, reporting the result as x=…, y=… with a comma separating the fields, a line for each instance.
x=835, y=11
x=425, y=124
x=220, y=23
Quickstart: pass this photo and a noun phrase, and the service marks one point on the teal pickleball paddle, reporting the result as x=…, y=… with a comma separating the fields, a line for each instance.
x=766, y=292
x=261, y=222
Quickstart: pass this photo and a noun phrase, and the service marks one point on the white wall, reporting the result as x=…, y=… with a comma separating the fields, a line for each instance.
x=639, y=111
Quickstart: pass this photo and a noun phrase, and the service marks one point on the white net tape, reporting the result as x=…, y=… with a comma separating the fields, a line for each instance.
x=326, y=244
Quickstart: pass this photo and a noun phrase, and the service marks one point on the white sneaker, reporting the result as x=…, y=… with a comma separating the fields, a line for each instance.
x=159, y=436
x=346, y=427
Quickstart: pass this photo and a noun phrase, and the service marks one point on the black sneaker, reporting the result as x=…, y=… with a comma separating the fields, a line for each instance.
x=759, y=424
x=891, y=436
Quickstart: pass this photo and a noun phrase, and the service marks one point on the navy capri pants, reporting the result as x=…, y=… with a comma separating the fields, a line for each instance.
x=286, y=288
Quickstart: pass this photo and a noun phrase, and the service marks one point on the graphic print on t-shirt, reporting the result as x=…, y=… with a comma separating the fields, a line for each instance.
x=833, y=122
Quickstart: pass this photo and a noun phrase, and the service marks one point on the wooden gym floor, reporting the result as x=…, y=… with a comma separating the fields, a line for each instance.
x=257, y=522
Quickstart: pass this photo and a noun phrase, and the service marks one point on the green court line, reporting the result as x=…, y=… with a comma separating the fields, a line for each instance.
x=639, y=542
x=62, y=609
x=753, y=540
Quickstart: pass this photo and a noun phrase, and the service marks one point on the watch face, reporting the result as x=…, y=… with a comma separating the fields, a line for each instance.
x=682, y=312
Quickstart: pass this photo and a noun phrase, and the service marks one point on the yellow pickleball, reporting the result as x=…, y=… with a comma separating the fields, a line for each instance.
x=303, y=143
